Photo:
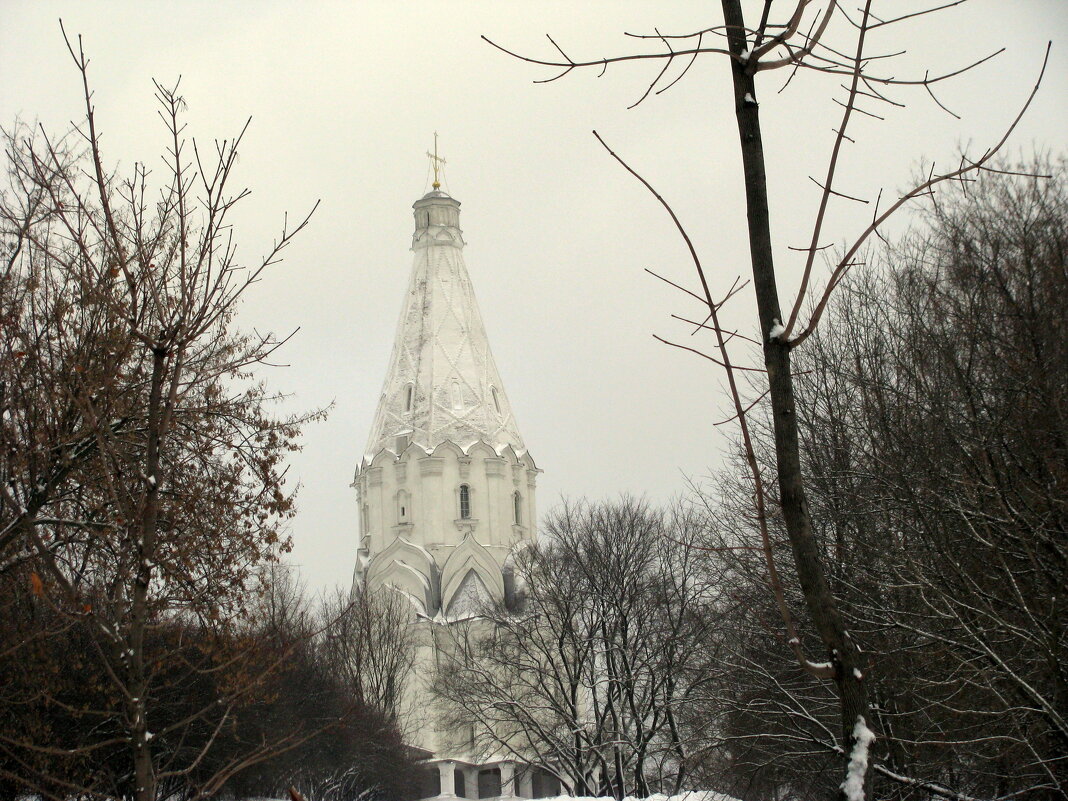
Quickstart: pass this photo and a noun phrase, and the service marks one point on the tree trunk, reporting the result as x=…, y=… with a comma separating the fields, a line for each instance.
x=822, y=606
x=144, y=773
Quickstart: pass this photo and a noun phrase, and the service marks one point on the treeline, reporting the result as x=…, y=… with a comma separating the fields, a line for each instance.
x=649, y=654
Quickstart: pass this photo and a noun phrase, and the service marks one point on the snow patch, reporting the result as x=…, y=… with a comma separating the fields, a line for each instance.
x=776, y=331
x=863, y=737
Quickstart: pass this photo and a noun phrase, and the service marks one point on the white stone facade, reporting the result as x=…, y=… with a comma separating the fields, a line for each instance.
x=433, y=523
x=445, y=489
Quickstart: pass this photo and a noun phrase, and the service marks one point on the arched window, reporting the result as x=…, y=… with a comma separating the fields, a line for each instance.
x=457, y=397
x=517, y=509
x=465, y=502
x=409, y=398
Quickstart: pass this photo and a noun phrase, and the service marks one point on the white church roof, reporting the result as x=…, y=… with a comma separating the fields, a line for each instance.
x=442, y=384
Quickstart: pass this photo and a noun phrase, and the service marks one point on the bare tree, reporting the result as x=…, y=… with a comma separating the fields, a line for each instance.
x=952, y=411
x=588, y=678
x=143, y=467
x=369, y=642
x=827, y=39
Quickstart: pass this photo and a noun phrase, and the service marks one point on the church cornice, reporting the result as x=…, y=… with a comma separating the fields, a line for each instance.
x=505, y=453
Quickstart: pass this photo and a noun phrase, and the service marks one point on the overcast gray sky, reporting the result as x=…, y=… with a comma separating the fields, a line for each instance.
x=344, y=100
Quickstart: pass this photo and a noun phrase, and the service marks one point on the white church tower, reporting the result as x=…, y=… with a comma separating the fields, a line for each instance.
x=446, y=487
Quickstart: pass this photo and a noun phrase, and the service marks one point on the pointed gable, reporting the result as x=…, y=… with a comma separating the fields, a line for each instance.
x=409, y=569
x=470, y=558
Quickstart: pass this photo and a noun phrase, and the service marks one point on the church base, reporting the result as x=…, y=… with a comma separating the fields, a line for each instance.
x=496, y=780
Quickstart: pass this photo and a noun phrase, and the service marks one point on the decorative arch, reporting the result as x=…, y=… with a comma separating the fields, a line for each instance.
x=384, y=456
x=448, y=446
x=413, y=450
x=417, y=607
x=508, y=452
x=480, y=448
x=527, y=460
x=470, y=556
x=408, y=568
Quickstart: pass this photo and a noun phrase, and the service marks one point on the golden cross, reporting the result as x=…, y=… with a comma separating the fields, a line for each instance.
x=436, y=160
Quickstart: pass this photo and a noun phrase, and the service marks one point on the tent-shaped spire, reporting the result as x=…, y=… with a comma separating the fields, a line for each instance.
x=442, y=384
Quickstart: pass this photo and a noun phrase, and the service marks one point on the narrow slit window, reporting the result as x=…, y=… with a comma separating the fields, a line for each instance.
x=409, y=398
x=457, y=398
x=465, y=502
x=496, y=399
x=517, y=509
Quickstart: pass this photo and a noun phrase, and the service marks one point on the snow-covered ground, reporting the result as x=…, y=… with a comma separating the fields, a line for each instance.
x=696, y=795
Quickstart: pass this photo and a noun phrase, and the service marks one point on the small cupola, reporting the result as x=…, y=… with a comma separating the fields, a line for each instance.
x=436, y=209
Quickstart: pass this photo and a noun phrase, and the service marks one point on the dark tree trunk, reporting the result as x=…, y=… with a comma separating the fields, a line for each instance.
x=144, y=771
x=822, y=606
